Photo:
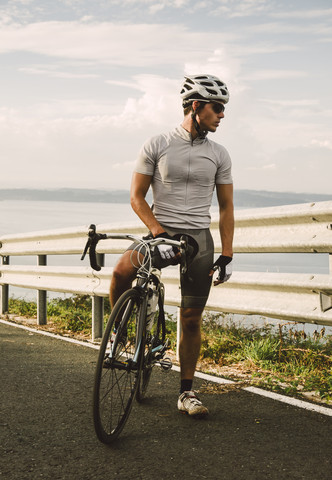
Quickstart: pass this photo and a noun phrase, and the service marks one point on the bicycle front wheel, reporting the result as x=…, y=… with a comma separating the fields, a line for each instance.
x=118, y=368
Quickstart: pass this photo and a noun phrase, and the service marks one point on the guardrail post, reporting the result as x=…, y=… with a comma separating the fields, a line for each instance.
x=42, y=296
x=4, y=290
x=98, y=308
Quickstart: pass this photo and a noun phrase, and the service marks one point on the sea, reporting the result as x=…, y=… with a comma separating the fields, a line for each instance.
x=19, y=216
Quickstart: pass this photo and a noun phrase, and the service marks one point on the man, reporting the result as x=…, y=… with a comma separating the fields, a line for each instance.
x=183, y=167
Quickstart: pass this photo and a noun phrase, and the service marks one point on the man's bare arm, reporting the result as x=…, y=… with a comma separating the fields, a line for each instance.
x=226, y=222
x=139, y=187
x=226, y=218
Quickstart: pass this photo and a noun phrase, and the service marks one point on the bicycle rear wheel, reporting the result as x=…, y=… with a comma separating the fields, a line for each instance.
x=154, y=338
x=118, y=368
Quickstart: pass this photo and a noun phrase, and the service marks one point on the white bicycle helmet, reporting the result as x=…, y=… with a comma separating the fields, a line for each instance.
x=206, y=88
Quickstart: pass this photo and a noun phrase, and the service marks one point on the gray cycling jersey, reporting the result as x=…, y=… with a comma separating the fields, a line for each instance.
x=184, y=173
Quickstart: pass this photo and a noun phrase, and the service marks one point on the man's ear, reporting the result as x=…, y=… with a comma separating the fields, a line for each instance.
x=195, y=105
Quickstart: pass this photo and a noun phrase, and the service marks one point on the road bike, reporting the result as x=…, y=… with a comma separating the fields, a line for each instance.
x=134, y=340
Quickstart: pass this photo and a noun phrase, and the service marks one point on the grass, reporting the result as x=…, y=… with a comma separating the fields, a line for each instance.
x=280, y=359
x=66, y=315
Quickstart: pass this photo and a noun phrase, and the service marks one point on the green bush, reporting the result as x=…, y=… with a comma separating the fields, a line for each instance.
x=19, y=306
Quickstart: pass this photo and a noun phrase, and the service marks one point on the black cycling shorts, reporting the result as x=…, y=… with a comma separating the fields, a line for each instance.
x=195, y=283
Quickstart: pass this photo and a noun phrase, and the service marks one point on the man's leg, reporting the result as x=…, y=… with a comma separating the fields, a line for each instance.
x=190, y=344
x=123, y=276
x=195, y=288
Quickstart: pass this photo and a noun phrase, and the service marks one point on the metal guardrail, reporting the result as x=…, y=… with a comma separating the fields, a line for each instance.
x=292, y=228
x=304, y=228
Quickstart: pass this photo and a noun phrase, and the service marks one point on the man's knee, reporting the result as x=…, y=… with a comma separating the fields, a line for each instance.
x=119, y=276
x=120, y=271
x=123, y=272
x=191, y=319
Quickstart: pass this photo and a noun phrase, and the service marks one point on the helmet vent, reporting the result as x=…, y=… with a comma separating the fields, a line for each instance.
x=212, y=92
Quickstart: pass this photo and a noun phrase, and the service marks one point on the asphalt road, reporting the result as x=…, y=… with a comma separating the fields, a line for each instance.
x=47, y=431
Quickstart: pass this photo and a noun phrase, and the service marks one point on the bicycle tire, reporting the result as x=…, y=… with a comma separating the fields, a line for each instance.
x=157, y=334
x=116, y=375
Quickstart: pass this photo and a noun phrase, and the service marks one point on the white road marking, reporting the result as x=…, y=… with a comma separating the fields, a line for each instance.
x=211, y=378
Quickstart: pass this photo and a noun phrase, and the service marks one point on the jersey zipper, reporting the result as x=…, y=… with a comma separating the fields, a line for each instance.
x=189, y=169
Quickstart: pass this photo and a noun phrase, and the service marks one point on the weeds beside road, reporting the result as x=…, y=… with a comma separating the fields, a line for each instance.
x=280, y=359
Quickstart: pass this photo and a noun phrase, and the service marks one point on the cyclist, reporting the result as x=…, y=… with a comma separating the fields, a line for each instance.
x=183, y=168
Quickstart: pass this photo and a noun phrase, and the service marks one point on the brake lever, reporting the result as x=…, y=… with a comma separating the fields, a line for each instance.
x=86, y=248
x=90, y=246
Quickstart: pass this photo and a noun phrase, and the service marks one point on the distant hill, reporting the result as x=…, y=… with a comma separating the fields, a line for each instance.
x=262, y=198
x=242, y=198
x=65, y=195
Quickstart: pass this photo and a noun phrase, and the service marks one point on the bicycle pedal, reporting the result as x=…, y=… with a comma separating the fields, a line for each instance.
x=166, y=364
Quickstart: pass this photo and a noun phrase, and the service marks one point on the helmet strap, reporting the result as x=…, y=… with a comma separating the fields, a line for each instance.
x=201, y=134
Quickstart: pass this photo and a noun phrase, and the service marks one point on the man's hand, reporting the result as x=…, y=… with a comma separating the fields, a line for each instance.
x=224, y=266
x=168, y=252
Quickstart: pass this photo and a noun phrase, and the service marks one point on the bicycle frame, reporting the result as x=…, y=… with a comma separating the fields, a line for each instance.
x=145, y=271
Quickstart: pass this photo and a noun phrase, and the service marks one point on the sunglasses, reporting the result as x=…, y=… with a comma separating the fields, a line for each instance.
x=218, y=107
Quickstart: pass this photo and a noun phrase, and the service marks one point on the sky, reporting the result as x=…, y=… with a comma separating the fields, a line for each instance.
x=85, y=82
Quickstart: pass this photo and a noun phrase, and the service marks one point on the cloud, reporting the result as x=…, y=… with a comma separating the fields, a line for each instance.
x=245, y=50
x=325, y=144
x=293, y=169
x=305, y=102
x=270, y=166
x=304, y=14
x=158, y=104
x=156, y=8
x=65, y=151
x=83, y=138
x=222, y=64
x=310, y=164
x=137, y=45
x=83, y=94
x=52, y=71
x=259, y=168
x=242, y=8
x=274, y=74
x=122, y=165
x=231, y=8
x=282, y=28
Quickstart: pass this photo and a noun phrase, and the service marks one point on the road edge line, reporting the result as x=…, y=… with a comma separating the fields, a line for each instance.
x=50, y=334
x=211, y=378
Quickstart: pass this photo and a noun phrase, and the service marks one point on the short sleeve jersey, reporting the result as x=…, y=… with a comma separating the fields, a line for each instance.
x=184, y=174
